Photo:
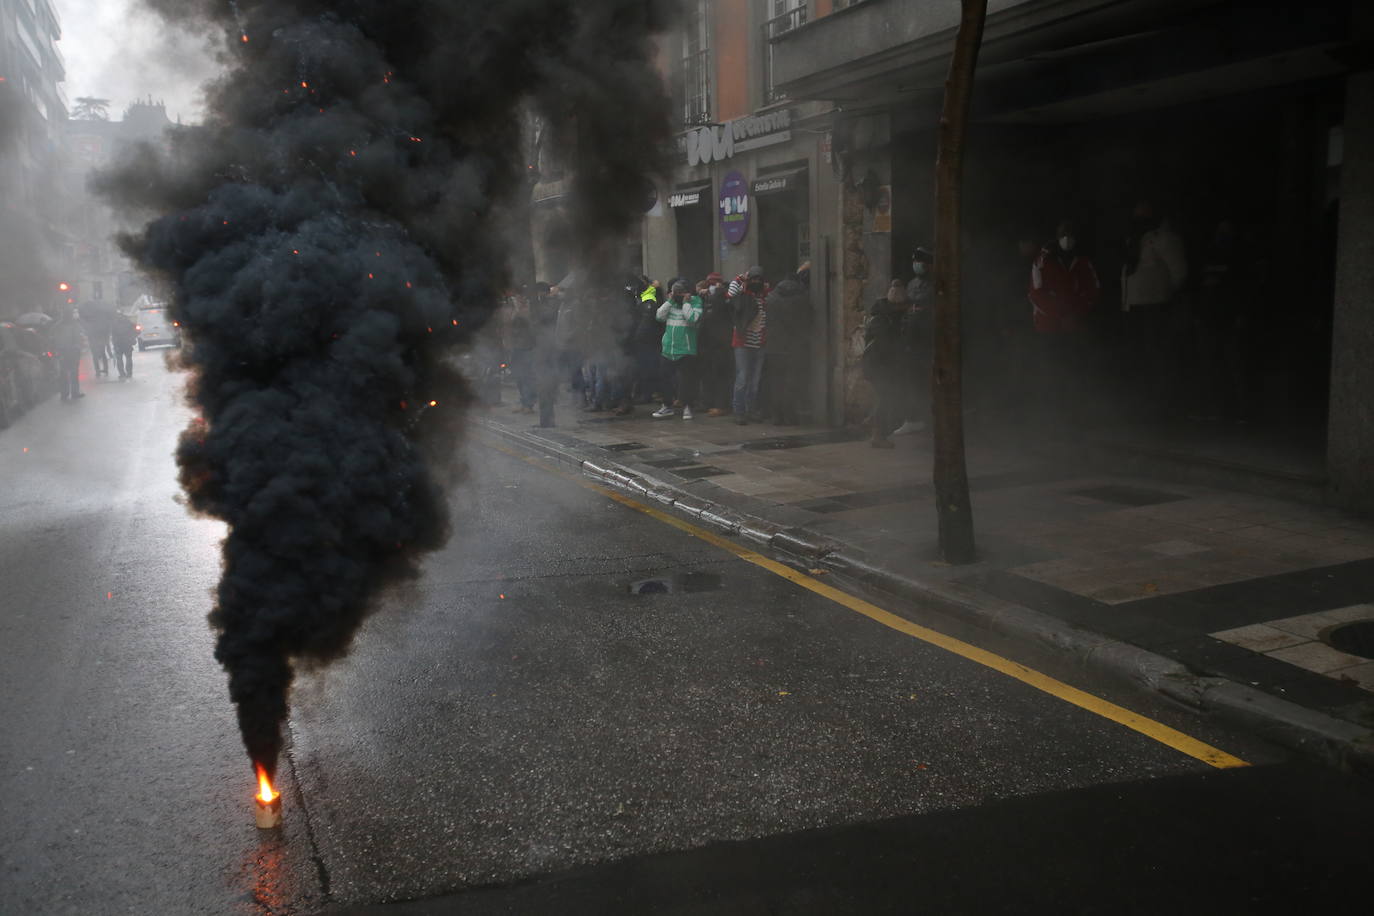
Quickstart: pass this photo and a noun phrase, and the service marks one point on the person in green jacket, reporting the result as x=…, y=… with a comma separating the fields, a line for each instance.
x=680, y=312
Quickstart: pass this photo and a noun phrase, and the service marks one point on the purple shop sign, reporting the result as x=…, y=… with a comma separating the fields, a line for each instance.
x=734, y=208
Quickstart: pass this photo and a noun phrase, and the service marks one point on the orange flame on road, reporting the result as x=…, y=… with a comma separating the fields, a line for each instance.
x=266, y=794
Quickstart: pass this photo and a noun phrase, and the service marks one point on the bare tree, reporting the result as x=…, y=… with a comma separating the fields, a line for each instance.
x=954, y=508
x=88, y=108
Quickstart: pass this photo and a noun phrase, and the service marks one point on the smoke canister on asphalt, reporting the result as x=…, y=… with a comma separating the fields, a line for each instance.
x=268, y=813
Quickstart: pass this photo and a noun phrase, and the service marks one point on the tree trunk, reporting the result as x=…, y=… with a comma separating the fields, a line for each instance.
x=951, y=470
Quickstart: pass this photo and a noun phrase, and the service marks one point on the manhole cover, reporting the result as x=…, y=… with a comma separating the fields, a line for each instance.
x=1355, y=638
x=651, y=587
x=682, y=582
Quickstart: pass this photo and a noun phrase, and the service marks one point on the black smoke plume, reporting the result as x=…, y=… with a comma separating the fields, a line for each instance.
x=328, y=237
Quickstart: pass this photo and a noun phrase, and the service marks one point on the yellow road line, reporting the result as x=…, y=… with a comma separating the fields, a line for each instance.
x=1146, y=726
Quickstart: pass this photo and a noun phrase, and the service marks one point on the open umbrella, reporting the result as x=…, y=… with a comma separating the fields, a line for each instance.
x=33, y=319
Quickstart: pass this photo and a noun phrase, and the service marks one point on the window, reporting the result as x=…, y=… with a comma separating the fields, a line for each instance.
x=696, y=64
x=784, y=16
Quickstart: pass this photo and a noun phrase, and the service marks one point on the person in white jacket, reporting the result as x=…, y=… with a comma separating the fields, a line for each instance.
x=1152, y=276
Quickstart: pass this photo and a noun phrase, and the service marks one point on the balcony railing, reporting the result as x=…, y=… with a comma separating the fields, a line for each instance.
x=774, y=28
x=696, y=88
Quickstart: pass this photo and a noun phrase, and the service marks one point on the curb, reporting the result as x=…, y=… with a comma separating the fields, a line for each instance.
x=1338, y=742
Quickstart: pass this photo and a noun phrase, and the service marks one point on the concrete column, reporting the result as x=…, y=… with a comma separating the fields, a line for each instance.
x=1350, y=436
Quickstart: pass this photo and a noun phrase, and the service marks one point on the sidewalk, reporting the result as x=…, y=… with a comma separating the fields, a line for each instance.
x=1223, y=600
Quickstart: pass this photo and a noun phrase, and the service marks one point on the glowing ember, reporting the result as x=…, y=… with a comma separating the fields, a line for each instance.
x=433, y=403
x=266, y=794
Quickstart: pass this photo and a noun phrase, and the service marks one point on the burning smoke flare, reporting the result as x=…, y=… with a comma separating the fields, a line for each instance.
x=327, y=237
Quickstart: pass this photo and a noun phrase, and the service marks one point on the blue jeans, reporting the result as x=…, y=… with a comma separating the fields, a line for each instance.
x=600, y=384
x=748, y=372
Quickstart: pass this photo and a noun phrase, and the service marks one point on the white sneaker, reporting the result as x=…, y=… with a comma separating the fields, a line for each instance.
x=686, y=413
x=664, y=411
x=909, y=427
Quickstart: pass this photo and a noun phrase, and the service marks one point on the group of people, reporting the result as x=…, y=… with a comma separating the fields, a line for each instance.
x=1045, y=357
x=685, y=346
x=105, y=333
x=743, y=347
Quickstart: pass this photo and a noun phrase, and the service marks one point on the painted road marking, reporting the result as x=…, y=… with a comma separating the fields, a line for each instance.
x=1146, y=726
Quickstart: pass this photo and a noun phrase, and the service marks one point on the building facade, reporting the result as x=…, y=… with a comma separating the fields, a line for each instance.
x=1231, y=118
x=93, y=265
x=752, y=172
x=32, y=113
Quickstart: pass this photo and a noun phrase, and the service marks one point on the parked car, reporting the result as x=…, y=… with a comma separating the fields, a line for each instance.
x=155, y=326
x=22, y=373
x=42, y=373
x=11, y=399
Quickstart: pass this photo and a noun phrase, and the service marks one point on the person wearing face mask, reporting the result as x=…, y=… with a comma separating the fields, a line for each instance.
x=680, y=312
x=749, y=295
x=1064, y=289
x=917, y=330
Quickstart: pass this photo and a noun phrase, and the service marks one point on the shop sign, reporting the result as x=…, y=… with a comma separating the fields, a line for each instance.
x=719, y=142
x=734, y=208
x=776, y=184
x=685, y=198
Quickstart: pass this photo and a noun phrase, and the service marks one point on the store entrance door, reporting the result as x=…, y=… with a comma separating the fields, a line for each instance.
x=784, y=214
x=695, y=232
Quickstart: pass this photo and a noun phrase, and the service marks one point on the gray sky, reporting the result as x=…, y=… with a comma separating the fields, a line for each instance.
x=119, y=51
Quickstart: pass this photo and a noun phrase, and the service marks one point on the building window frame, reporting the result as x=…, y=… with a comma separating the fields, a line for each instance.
x=783, y=16
x=697, y=83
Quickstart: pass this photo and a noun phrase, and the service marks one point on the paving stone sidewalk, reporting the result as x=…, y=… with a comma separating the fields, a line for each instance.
x=1230, y=585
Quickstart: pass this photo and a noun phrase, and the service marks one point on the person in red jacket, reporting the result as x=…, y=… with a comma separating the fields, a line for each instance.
x=1063, y=290
x=1063, y=284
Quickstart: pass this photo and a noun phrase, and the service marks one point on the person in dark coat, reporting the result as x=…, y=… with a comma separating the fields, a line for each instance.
x=789, y=347
x=715, y=331
x=647, y=336
x=123, y=336
x=885, y=362
x=95, y=321
x=68, y=341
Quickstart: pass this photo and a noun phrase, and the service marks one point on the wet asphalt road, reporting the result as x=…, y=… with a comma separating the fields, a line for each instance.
x=519, y=714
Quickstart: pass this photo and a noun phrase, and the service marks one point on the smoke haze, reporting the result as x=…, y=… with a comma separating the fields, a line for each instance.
x=327, y=237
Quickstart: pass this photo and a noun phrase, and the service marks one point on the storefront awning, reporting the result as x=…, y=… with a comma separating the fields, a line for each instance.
x=777, y=184
x=689, y=196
